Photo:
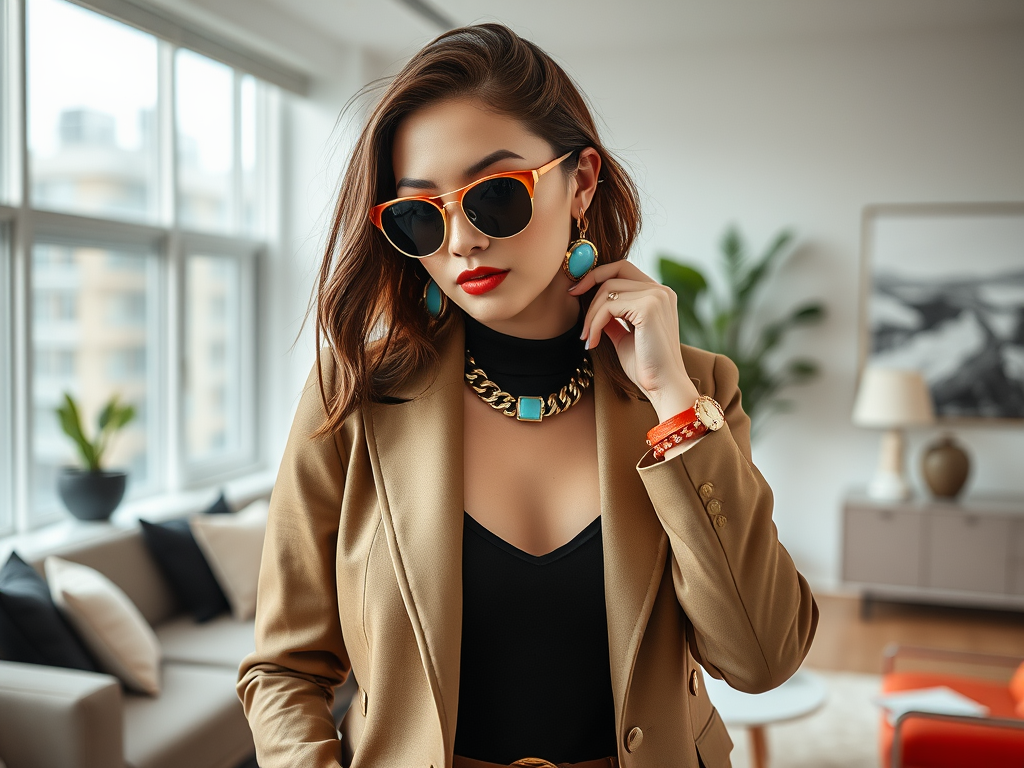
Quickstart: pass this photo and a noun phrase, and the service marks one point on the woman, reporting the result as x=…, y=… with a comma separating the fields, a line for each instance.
x=468, y=516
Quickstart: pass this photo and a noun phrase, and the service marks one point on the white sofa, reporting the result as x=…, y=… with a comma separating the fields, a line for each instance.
x=51, y=717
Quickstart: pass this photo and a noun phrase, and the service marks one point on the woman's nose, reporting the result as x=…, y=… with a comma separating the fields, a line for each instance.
x=463, y=237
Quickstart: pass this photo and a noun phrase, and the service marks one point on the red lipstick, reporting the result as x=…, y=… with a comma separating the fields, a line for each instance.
x=481, y=280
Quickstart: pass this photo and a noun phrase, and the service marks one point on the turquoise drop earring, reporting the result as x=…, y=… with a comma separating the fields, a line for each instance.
x=582, y=254
x=434, y=300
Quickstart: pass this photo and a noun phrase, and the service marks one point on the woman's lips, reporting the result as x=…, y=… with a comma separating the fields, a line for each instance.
x=483, y=284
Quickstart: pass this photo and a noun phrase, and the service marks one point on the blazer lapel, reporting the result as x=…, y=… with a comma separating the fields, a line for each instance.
x=635, y=544
x=416, y=453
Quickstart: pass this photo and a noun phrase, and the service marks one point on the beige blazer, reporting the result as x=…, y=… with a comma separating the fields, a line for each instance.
x=362, y=572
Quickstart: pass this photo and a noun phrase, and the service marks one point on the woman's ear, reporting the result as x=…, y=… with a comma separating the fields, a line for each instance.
x=587, y=172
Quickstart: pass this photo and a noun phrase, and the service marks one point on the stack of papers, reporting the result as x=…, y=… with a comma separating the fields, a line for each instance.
x=940, y=700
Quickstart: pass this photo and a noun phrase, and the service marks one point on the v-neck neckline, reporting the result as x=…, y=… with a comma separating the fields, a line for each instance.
x=592, y=529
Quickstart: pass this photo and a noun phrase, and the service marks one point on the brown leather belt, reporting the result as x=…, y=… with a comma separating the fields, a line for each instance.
x=535, y=762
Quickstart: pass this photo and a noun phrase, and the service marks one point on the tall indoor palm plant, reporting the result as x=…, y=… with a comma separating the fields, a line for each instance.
x=722, y=322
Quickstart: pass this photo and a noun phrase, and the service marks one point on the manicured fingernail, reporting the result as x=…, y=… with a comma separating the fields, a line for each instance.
x=584, y=334
x=573, y=287
x=587, y=345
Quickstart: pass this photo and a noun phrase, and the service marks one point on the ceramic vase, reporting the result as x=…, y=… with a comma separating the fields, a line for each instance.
x=945, y=466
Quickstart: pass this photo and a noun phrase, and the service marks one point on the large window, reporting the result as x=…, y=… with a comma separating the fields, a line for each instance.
x=128, y=253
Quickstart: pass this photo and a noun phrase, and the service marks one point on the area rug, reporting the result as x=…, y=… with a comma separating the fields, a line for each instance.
x=842, y=734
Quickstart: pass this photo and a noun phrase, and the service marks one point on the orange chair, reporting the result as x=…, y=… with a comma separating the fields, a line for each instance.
x=928, y=740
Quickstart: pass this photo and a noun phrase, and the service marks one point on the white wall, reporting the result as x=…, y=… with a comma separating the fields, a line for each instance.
x=804, y=133
x=313, y=154
x=773, y=133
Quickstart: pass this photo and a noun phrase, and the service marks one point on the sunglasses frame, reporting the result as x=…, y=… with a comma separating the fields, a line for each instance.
x=529, y=178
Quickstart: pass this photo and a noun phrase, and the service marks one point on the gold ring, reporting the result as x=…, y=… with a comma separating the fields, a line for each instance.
x=612, y=295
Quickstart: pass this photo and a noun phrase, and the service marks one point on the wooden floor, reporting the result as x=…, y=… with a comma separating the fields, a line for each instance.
x=847, y=642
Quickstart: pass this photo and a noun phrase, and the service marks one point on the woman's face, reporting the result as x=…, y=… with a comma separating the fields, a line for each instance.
x=444, y=146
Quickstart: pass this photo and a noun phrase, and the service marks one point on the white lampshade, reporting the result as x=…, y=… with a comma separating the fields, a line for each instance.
x=890, y=397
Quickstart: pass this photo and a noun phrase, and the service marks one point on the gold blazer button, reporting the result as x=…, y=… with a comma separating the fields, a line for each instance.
x=694, y=682
x=706, y=490
x=633, y=739
x=714, y=506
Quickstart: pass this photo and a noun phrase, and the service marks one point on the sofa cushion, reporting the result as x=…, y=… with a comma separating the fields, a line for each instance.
x=124, y=558
x=197, y=721
x=108, y=622
x=222, y=641
x=175, y=550
x=233, y=546
x=32, y=629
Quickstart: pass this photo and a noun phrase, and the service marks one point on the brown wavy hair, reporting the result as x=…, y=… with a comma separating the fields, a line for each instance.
x=367, y=296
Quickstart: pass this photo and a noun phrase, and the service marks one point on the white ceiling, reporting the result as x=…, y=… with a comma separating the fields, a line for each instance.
x=565, y=26
x=306, y=32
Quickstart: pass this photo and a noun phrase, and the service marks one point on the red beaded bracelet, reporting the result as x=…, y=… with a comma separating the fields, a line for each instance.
x=706, y=414
x=684, y=433
x=669, y=426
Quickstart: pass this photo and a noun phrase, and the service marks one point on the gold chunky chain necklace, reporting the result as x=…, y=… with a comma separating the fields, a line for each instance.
x=527, y=408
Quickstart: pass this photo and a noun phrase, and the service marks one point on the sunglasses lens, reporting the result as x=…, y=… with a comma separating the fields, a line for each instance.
x=499, y=207
x=413, y=227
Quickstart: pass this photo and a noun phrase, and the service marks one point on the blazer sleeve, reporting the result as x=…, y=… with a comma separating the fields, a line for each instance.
x=752, y=613
x=287, y=684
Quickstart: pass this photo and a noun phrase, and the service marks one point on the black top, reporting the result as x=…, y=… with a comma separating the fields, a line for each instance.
x=535, y=677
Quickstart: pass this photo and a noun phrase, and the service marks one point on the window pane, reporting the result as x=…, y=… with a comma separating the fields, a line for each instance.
x=92, y=336
x=92, y=86
x=5, y=111
x=205, y=110
x=248, y=133
x=6, y=436
x=213, y=357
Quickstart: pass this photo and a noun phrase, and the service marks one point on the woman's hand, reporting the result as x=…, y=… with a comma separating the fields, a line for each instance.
x=650, y=353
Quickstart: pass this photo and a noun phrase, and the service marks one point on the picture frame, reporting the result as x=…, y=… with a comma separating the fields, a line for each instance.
x=942, y=292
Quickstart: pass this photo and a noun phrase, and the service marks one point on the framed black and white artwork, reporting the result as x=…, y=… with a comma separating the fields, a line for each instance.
x=942, y=292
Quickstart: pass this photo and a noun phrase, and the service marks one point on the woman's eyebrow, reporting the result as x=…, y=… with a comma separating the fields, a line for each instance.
x=500, y=154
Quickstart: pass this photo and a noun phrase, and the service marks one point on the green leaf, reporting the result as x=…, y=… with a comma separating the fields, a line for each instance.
x=802, y=370
x=808, y=314
x=684, y=279
x=689, y=284
x=71, y=423
x=760, y=270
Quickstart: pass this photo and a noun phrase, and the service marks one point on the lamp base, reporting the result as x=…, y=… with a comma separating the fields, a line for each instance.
x=886, y=486
x=889, y=482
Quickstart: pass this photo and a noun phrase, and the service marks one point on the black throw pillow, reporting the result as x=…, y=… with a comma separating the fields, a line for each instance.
x=32, y=629
x=219, y=507
x=186, y=570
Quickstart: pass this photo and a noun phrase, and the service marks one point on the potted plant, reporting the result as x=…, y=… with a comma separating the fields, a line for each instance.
x=92, y=493
x=723, y=322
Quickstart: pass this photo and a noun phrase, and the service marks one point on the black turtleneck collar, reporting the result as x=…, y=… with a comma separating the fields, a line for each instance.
x=520, y=366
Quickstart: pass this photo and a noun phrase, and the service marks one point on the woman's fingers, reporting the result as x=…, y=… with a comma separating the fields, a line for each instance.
x=604, y=272
x=635, y=306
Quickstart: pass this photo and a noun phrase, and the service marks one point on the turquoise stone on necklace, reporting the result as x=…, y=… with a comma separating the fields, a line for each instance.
x=581, y=259
x=530, y=408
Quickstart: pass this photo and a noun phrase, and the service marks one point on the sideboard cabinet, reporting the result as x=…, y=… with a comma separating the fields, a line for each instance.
x=924, y=550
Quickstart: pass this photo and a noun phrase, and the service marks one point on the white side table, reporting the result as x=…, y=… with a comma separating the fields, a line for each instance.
x=799, y=696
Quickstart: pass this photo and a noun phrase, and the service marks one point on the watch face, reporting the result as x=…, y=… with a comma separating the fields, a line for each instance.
x=710, y=413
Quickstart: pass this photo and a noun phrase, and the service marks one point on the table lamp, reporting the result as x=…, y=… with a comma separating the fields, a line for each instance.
x=892, y=399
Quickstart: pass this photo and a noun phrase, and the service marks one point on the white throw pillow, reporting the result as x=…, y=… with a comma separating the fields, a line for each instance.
x=108, y=622
x=233, y=546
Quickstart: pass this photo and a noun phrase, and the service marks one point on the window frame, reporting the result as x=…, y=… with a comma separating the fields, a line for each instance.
x=24, y=226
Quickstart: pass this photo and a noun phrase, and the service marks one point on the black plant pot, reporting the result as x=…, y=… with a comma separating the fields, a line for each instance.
x=91, y=495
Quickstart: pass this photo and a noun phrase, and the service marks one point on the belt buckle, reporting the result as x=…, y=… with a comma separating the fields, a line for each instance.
x=533, y=762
